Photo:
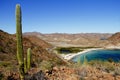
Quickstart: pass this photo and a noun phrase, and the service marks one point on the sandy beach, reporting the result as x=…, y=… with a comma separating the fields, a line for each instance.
x=71, y=55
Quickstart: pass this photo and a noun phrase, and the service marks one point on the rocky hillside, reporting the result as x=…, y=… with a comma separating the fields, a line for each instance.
x=115, y=38
x=39, y=41
x=53, y=67
x=38, y=46
x=40, y=56
x=81, y=39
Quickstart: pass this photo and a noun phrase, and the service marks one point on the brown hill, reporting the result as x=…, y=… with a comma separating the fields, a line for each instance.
x=39, y=41
x=39, y=52
x=115, y=37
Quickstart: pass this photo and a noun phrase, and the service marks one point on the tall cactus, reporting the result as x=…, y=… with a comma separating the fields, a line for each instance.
x=20, y=55
x=24, y=65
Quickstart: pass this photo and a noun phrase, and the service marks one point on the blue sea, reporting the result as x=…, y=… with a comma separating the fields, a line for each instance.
x=103, y=55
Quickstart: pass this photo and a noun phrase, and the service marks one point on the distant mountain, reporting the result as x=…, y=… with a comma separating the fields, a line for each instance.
x=37, y=34
x=80, y=39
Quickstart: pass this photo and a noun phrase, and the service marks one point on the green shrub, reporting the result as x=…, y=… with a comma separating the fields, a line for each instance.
x=66, y=50
x=46, y=65
x=1, y=49
x=105, y=66
x=5, y=64
x=1, y=76
x=110, y=60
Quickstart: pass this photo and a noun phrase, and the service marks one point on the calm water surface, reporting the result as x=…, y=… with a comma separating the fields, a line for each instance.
x=99, y=55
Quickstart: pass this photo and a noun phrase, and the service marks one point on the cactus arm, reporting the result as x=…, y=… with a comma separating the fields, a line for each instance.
x=28, y=58
x=25, y=65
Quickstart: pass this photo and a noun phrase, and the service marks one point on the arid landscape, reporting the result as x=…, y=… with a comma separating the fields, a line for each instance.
x=60, y=40
x=51, y=64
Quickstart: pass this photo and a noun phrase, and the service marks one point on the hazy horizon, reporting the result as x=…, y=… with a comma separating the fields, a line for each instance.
x=62, y=16
x=61, y=32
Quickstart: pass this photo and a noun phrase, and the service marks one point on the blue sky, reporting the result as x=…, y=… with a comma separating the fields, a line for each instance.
x=62, y=16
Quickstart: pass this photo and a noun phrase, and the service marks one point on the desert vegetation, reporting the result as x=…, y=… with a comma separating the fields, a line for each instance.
x=67, y=50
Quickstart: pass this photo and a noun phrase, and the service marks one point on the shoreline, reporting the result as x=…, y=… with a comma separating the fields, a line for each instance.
x=71, y=55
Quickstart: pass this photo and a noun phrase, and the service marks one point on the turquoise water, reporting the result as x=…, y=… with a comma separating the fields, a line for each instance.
x=103, y=55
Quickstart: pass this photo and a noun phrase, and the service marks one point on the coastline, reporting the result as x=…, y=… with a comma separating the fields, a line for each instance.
x=71, y=55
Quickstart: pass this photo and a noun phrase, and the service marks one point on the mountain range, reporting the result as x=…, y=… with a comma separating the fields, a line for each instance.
x=79, y=40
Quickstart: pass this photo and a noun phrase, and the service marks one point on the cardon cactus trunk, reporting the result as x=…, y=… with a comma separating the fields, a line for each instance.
x=20, y=55
x=28, y=58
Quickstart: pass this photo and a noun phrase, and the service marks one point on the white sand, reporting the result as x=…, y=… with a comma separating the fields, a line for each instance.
x=71, y=55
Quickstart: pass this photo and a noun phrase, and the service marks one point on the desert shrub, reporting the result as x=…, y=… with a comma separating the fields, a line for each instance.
x=68, y=50
x=46, y=65
x=57, y=61
x=110, y=60
x=5, y=64
x=1, y=76
x=105, y=66
x=1, y=49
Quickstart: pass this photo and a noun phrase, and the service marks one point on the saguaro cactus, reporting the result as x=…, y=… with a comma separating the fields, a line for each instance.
x=20, y=55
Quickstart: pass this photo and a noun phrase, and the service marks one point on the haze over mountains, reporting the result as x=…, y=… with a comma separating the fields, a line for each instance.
x=80, y=39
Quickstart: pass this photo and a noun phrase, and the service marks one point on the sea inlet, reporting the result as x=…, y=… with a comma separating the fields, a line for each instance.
x=103, y=55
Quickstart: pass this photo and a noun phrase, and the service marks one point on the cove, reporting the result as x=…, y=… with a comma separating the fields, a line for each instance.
x=103, y=55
